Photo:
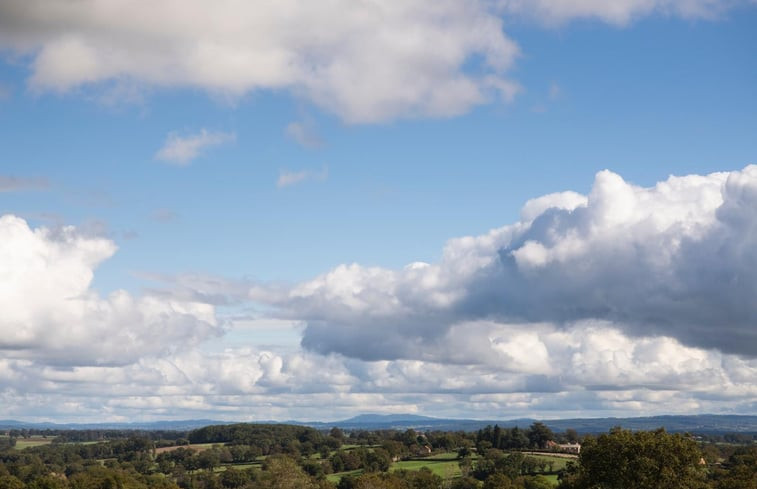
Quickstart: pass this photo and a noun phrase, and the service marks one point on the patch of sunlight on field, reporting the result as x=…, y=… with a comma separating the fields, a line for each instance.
x=22, y=443
x=338, y=475
x=558, y=461
x=246, y=466
x=552, y=478
x=442, y=465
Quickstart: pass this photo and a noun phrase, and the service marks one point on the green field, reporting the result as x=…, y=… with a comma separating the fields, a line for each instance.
x=202, y=446
x=196, y=446
x=442, y=456
x=446, y=469
x=246, y=466
x=551, y=478
x=22, y=443
x=338, y=475
x=445, y=465
x=558, y=463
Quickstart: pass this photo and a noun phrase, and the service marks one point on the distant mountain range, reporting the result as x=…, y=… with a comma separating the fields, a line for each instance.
x=704, y=423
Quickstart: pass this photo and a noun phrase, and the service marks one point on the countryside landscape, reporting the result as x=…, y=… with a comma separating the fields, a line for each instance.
x=378, y=244
x=245, y=455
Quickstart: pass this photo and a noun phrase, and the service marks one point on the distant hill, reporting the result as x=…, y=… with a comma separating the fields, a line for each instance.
x=388, y=418
x=704, y=424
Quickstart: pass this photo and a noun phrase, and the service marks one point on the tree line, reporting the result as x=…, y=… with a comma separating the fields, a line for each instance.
x=250, y=456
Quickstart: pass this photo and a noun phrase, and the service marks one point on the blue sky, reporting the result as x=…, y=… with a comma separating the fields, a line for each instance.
x=274, y=191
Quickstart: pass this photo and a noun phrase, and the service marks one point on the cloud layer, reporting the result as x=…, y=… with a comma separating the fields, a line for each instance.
x=591, y=369
x=678, y=259
x=51, y=315
x=364, y=61
x=628, y=300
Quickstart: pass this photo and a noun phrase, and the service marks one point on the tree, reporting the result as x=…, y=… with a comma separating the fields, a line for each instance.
x=10, y=482
x=536, y=482
x=377, y=460
x=208, y=459
x=539, y=434
x=281, y=472
x=465, y=464
x=641, y=460
x=464, y=483
x=379, y=481
x=571, y=435
x=497, y=437
x=233, y=478
x=498, y=481
x=741, y=470
x=7, y=442
x=336, y=433
x=422, y=479
x=518, y=439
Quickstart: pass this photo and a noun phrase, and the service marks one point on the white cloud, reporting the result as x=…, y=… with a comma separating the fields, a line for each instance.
x=677, y=259
x=289, y=178
x=51, y=315
x=591, y=368
x=181, y=150
x=364, y=61
x=637, y=300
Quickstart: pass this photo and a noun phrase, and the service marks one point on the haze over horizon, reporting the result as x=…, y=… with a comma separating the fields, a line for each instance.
x=302, y=210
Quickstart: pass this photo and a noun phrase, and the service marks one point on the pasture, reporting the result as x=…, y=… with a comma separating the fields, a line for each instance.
x=555, y=462
x=335, y=477
x=445, y=465
x=197, y=447
x=242, y=466
x=34, y=441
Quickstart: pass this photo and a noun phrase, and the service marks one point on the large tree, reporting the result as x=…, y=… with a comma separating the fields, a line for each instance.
x=622, y=459
x=539, y=434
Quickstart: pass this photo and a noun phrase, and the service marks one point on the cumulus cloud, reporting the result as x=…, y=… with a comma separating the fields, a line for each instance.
x=677, y=259
x=364, y=61
x=181, y=150
x=51, y=314
x=627, y=300
x=592, y=367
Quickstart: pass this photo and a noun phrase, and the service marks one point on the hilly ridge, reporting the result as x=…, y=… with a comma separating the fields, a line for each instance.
x=704, y=423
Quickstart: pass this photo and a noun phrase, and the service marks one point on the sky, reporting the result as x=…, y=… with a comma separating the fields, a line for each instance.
x=486, y=209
